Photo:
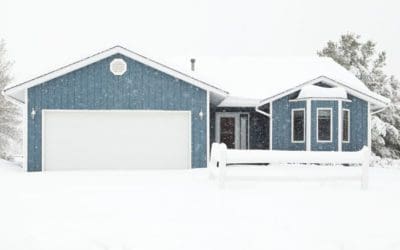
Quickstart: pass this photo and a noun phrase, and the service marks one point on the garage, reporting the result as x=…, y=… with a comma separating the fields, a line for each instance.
x=116, y=139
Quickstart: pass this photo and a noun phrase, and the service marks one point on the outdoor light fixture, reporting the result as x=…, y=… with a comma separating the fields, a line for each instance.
x=201, y=114
x=33, y=113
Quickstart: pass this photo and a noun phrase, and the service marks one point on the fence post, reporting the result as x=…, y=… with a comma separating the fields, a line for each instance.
x=364, y=167
x=214, y=157
x=222, y=164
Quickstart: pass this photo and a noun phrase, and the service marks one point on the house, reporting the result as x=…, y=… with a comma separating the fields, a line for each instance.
x=119, y=109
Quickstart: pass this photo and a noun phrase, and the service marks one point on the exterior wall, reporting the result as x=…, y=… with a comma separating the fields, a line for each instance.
x=281, y=134
x=358, y=124
x=281, y=124
x=259, y=126
x=324, y=146
x=95, y=87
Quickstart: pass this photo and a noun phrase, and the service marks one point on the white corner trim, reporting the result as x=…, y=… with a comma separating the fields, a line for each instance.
x=208, y=127
x=349, y=125
x=189, y=114
x=43, y=144
x=292, y=124
x=308, y=125
x=340, y=125
x=25, y=122
x=270, y=125
x=331, y=126
x=369, y=141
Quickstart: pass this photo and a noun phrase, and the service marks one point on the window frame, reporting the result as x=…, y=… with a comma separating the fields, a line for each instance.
x=348, y=127
x=331, y=125
x=292, y=125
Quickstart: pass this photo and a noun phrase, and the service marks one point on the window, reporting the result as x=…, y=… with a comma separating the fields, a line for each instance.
x=346, y=125
x=298, y=125
x=324, y=125
x=118, y=66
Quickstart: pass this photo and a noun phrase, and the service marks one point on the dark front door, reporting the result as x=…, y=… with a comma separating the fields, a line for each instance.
x=227, y=131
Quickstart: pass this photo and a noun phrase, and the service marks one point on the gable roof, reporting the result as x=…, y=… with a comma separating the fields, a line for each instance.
x=17, y=91
x=264, y=78
x=378, y=101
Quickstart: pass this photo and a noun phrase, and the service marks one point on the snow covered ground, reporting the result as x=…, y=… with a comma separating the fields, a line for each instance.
x=183, y=209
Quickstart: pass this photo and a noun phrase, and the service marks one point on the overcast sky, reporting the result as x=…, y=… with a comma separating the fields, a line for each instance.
x=42, y=35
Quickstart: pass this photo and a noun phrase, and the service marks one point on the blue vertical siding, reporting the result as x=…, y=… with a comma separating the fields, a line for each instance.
x=281, y=124
x=324, y=146
x=95, y=87
x=358, y=124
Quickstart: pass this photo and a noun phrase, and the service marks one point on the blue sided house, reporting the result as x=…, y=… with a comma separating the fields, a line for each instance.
x=120, y=110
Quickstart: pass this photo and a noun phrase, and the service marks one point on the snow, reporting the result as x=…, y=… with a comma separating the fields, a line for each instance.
x=313, y=91
x=183, y=209
x=17, y=90
x=9, y=166
x=234, y=101
x=279, y=156
x=262, y=77
x=248, y=77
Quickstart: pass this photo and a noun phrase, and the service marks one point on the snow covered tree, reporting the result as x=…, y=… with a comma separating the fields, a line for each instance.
x=10, y=114
x=366, y=63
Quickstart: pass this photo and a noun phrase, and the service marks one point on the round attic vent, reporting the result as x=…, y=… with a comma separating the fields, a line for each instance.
x=118, y=67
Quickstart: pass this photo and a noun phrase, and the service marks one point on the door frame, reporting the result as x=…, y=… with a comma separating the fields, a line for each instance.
x=236, y=116
x=188, y=113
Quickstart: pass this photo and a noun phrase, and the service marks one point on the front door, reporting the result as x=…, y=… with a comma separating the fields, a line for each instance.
x=227, y=131
x=232, y=129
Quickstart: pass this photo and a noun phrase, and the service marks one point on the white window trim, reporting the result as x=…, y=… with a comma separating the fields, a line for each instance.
x=331, y=126
x=348, y=127
x=304, y=124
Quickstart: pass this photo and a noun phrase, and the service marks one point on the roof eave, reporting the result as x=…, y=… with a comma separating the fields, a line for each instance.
x=382, y=102
x=9, y=90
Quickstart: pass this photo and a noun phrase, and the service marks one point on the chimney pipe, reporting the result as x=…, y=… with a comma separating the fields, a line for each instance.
x=192, y=63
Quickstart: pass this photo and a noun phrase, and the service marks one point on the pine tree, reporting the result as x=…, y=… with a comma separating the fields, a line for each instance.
x=366, y=63
x=10, y=115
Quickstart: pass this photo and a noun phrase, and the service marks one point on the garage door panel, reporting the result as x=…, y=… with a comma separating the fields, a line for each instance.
x=116, y=139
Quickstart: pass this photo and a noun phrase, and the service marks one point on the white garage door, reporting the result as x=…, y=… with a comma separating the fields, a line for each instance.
x=84, y=139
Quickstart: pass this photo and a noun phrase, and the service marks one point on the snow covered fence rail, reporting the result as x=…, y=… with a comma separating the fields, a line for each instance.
x=221, y=157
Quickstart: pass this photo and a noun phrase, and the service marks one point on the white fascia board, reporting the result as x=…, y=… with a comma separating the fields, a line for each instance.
x=381, y=102
x=12, y=99
x=107, y=53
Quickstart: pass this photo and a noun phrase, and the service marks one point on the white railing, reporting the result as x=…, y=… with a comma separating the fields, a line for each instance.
x=221, y=157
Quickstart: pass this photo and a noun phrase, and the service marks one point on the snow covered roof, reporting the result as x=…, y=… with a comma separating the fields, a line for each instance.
x=313, y=91
x=234, y=101
x=17, y=91
x=251, y=78
x=265, y=78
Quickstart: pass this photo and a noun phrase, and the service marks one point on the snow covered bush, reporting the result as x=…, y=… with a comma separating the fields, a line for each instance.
x=10, y=115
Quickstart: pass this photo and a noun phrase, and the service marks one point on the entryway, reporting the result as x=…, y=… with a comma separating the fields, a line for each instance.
x=232, y=128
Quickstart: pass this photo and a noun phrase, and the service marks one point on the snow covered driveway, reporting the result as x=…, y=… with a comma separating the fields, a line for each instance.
x=182, y=209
